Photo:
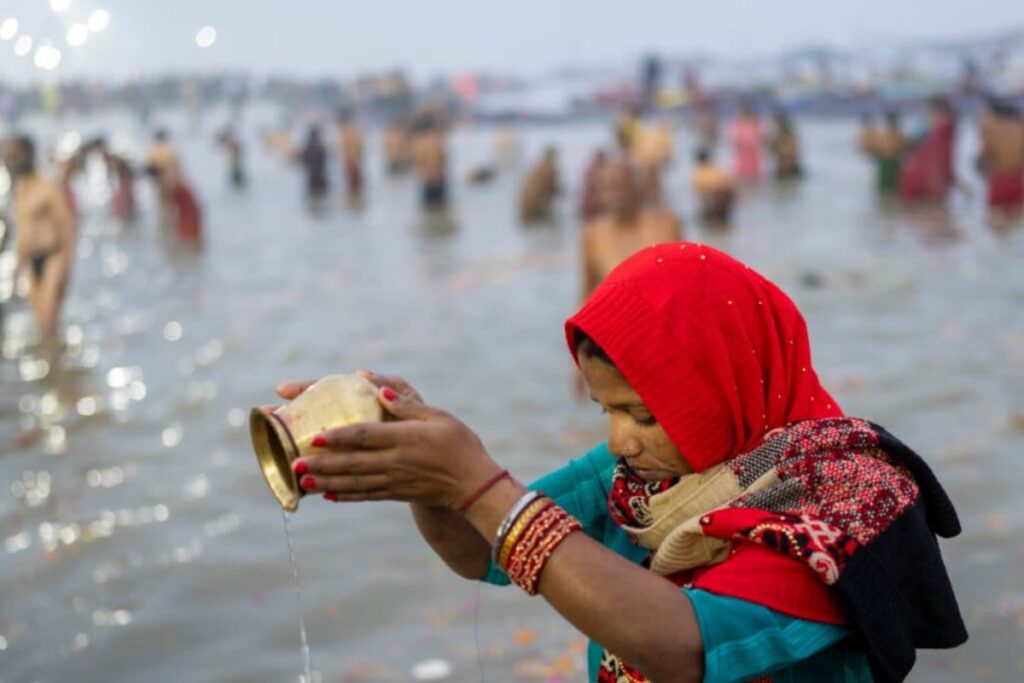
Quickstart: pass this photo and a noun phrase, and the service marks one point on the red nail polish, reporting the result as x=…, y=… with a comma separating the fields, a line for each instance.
x=300, y=468
x=307, y=482
x=389, y=394
x=333, y=497
x=318, y=442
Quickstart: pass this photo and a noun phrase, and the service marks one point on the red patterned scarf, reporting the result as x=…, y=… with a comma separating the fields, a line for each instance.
x=815, y=491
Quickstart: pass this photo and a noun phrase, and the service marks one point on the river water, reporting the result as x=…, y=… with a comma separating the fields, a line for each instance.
x=140, y=543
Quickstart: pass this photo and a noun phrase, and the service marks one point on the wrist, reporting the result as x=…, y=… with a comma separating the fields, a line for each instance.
x=490, y=509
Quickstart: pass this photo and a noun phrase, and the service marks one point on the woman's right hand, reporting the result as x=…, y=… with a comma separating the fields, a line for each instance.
x=291, y=390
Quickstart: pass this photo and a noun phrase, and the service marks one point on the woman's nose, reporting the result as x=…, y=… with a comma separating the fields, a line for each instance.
x=622, y=444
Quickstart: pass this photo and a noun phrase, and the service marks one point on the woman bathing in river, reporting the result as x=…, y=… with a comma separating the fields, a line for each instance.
x=735, y=526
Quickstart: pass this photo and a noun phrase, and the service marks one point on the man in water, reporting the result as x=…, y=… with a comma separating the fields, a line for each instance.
x=714, y=188
x=350, y=147
x=653, y=151
x=235, y=155
x=177, y=201
x=46, y=233
x=1001, y=129
x=163, y=164
x=396, y=147
x=590, y=200
x=540, y=189
x=430, y=158
x=887, y=146
x=786, y=147
x=313, y=158
x=624, y=227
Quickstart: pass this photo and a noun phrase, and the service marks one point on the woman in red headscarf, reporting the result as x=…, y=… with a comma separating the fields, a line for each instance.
x=735, y=526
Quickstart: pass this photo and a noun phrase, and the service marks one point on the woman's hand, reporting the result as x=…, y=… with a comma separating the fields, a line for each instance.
x=424, y=456
x=291, y=390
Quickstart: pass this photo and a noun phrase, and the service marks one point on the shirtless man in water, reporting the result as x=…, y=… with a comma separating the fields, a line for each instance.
x=538, y=193
x=624, y=227
x=46, y=233
x=430, y=158
x=350, y=147
x=1001, y=129
x=162, y=162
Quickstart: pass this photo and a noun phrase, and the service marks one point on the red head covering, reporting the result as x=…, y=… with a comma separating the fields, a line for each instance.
x=719, y=354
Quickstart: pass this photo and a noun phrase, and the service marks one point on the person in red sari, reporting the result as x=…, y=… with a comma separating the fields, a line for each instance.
x=735, y=526
x=928, y=171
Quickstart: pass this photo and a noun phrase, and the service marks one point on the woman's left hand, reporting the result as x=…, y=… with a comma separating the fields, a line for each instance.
x=424, y=456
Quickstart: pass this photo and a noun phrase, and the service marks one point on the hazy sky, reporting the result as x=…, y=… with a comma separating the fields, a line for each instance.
x=337, y=37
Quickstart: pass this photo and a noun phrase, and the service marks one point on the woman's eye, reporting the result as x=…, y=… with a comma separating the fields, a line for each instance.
x=646, y=421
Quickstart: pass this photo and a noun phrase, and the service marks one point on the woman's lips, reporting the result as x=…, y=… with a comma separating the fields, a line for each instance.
x=650, y=474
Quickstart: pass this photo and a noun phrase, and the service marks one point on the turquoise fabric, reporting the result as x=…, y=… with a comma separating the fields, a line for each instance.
x=742, y=640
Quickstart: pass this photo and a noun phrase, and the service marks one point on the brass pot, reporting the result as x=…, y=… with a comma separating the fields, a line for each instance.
x=281, y=436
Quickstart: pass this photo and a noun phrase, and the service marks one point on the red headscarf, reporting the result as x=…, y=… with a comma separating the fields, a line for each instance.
x=719, y=354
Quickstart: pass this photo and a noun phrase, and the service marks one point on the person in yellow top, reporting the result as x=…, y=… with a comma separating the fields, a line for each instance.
x=46, y=233
x=714, y=188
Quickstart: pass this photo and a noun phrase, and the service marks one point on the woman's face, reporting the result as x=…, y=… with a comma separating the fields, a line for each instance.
x=633, y=433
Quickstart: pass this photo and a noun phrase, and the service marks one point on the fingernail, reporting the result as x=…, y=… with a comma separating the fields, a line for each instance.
x=318, y=442
x=389, y=394
x=300, y=467
x=333, y=497
x=307, y=482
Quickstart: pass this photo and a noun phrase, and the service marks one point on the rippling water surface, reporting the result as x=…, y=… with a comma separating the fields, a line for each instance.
x=139, y=542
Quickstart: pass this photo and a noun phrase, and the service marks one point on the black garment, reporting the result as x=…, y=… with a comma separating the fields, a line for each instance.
x=314, y=158
x=896, y=591
x=435, y=194
x=37, y=262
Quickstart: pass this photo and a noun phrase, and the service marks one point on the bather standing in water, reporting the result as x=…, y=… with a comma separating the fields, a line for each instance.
x=625, y=227
x=46, y=234
x=714, y=188
x=430, y=158
x=235, y=156
x=747, y=141
x=1001, y=160
x=313, y=158
x=350, y=148
x=540, y=189
x=590, y=199
x=785, y=146
x=928, y=173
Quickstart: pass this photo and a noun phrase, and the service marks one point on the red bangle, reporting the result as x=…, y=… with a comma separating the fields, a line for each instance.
x=488, y=485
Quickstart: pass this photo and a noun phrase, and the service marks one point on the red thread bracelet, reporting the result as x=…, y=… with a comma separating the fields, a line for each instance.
x=488, y=485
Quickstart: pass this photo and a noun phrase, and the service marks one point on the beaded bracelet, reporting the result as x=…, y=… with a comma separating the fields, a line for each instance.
x=520, y=526
x=531, y=531
x=563, y=529
x=510, y=519
x=536, y=545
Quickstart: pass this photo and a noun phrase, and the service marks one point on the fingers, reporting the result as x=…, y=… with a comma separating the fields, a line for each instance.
x=356, y=484
x=352, y=463
x=290, y=390
x=394, y=381
x=365, y=436
x=405, y=408
x=357, y=497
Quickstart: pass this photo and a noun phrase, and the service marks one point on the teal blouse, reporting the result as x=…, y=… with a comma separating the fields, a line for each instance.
x=742, y=640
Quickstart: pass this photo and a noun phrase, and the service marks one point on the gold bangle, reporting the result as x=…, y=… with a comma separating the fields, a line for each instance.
x=524, y=521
